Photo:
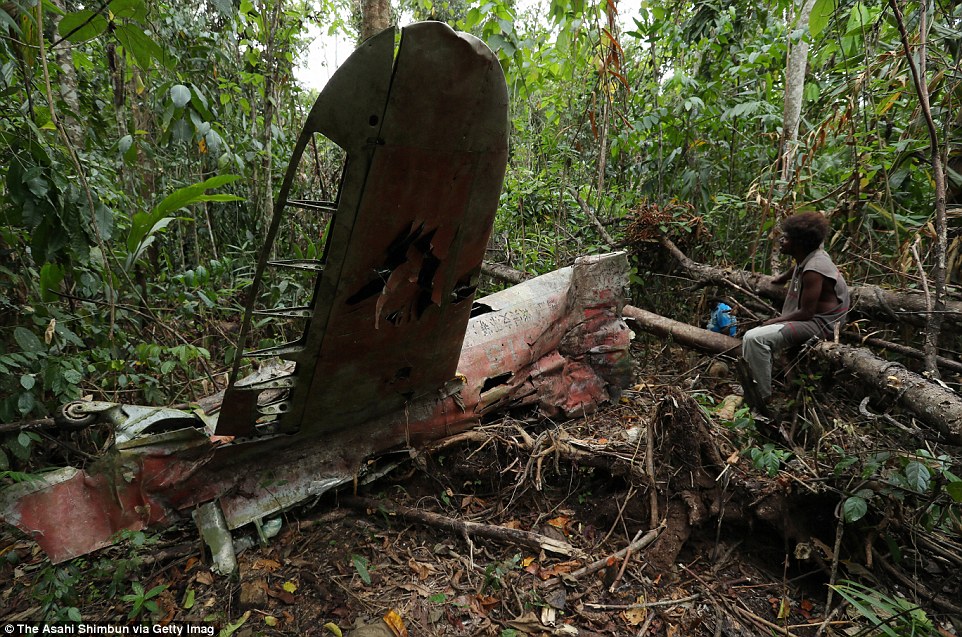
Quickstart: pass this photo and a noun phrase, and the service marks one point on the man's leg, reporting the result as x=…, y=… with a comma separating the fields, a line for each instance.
x=759, y=346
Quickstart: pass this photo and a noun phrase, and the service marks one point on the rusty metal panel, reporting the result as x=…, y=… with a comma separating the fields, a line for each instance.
x=414, y=212
x=389, y=358
x=557, y=341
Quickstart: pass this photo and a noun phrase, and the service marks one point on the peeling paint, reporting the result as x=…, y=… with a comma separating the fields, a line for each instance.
x=557, y=342
x=395, y=353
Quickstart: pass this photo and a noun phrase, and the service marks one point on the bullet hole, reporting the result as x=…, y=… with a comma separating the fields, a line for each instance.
x=495, y=381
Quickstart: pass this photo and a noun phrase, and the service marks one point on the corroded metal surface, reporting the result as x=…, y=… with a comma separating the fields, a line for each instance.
x=557, y=341
x=389, y=358
x=426, y=142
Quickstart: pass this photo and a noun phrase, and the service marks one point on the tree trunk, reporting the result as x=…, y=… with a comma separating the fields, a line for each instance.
x=688, y=335
x=935, y=310
x=939, y=407
x=273, y=14
x=867, y=300
x=375, y=17
x=67, y=83
x=794, y=89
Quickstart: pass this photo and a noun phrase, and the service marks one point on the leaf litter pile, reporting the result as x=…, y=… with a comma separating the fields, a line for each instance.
x=672, y=512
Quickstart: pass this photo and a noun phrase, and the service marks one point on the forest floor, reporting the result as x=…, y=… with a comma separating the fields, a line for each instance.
x=733, y=528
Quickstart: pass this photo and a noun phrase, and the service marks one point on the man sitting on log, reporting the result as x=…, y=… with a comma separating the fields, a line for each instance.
x=817, y=300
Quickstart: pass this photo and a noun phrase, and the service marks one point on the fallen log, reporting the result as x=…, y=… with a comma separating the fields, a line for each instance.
x=689, y=335
x=935, y=405
x=945, y=363
x=503, y=272
x=870, y=301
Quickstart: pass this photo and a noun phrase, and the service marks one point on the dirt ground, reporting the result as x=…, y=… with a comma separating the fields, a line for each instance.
x=720, y=545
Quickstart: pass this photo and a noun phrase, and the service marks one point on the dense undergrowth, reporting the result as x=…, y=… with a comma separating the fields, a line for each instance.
x=145, y=143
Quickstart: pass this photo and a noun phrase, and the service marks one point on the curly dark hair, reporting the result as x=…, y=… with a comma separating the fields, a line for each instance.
x=807, y=230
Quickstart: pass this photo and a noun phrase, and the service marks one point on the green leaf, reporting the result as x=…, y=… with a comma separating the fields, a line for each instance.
x=51, y=274
x=191, y=194
x=230, y=629
x=199, y=102
x=865, y=601
x=141, y=47
x=360, y=565
x=104, y=222
x=144, y=226
x=38, y=186
x=155, y=591
x=820, y=16
x=188, y=599
x=179, y=95
x=472, y=18
x=127, y=148
x=27, y=381
x=68, y=335
x=128, y=9
x=226, y=7
x=72, y=376
x=25, y=404
x=7, y=21
x=954, y=489
x=918, y=476
x=859, y=19
x=82, y=25
x=27, y=340
x=181, y=130
x=854, y=508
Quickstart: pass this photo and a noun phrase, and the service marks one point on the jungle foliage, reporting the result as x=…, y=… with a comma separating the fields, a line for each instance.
x=143, y=142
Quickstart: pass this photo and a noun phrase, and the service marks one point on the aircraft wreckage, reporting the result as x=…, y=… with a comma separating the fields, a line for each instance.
x=394, y=352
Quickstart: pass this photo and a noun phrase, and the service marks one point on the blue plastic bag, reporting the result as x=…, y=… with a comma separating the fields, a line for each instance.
x=722, y=321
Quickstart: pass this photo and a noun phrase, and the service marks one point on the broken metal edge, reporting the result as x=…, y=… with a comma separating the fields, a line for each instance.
x=557, y=341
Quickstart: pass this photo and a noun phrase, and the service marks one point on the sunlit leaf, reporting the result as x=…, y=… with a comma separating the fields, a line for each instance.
x=230, y=629
x=395, y=623
x=179, y=95
x=820, y=16
x=128, y=9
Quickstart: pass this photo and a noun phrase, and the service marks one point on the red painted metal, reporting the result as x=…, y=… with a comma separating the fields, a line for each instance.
x=402, y=260
x=390, y=358
x=556, y=341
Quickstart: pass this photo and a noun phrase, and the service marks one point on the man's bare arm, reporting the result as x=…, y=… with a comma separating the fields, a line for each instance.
x=784, y=277
x=812, y=283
